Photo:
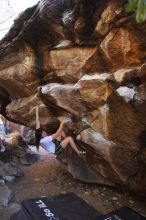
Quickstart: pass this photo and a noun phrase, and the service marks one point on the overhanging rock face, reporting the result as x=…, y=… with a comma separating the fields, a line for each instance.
x=84, y=60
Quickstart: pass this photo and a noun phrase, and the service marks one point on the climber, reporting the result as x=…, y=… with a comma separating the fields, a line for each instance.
x=54, y=143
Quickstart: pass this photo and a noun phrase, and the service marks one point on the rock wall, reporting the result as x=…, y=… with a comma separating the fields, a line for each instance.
x=85, y=60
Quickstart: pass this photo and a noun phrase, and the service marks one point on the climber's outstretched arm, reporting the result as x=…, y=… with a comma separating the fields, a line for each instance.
x=37, y=118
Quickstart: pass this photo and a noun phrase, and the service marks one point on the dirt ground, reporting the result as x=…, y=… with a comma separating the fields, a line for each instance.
x=48, y=177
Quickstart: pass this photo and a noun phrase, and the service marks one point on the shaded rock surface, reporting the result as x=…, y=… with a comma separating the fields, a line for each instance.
x=10, y=169
x=85, y=60
x=6, y=195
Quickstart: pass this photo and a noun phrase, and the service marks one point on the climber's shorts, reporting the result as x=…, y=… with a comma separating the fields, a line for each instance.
x=58, y=148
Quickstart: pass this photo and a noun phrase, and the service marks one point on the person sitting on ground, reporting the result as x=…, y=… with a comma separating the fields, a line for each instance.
x=2, y=147
x=53, y=143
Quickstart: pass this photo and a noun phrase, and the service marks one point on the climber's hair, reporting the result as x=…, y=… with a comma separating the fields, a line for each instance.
x=38, y=136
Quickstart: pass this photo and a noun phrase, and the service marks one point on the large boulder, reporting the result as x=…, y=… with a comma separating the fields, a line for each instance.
x=84, y=60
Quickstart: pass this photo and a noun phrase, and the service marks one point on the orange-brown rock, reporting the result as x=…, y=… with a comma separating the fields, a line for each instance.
x=85, y=60
x=71, y=64
x=25, y=108
x=122, y=47
x=108, y=17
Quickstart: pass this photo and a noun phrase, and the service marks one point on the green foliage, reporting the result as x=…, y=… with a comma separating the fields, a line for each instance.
x=139, y=7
